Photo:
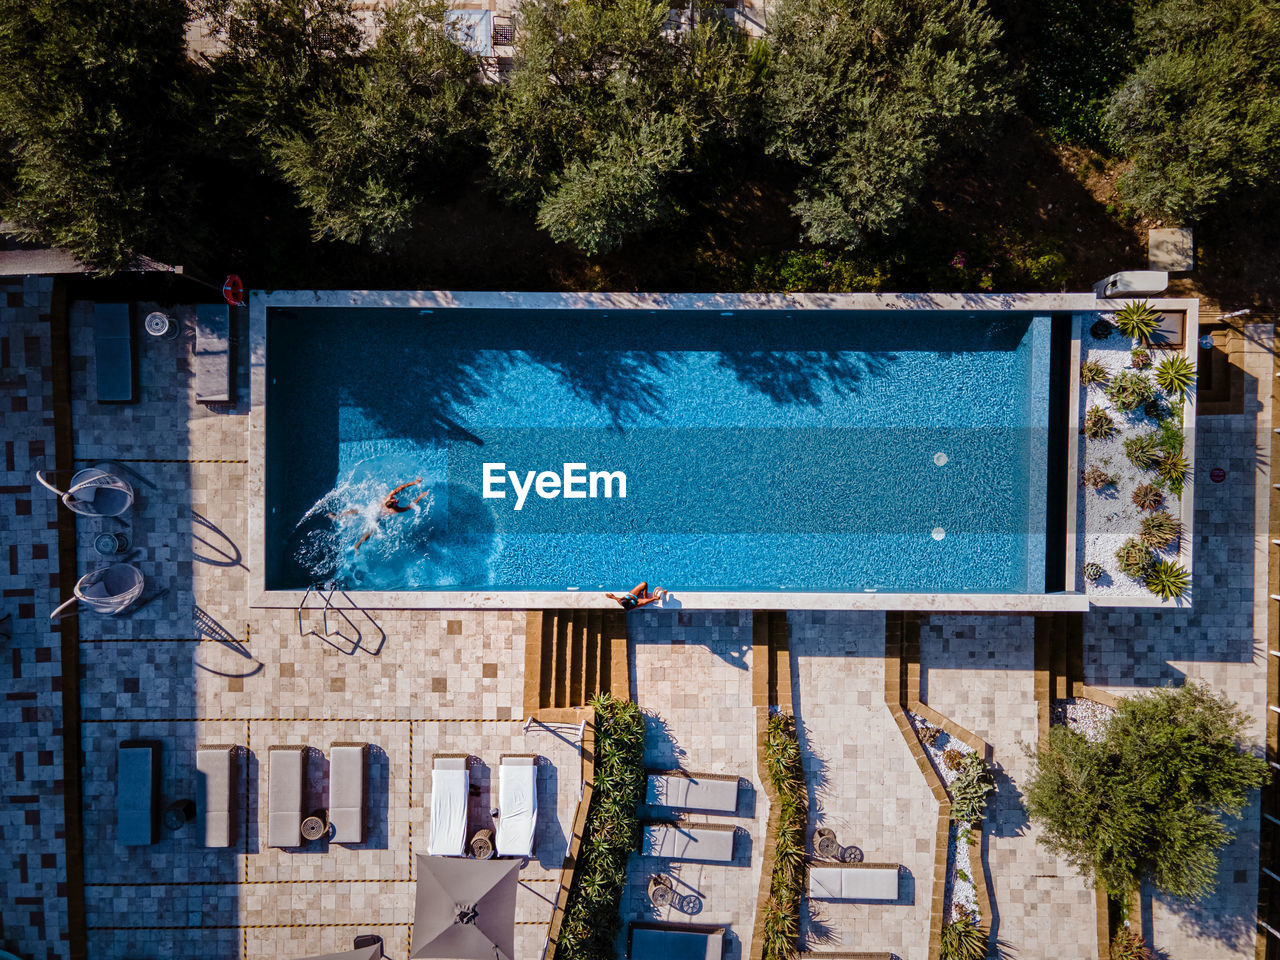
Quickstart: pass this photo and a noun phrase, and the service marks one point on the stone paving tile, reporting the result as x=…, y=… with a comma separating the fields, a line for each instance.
x=863, y=782
x=32, y=817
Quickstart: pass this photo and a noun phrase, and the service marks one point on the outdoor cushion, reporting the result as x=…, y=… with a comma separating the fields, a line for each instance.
x=693, y=791
x=673, y=943
x=217, y=806
x=97, y=590
x=861, y=881
x=137, y=787
x=113, y=352
x=687, y=841
x=212, y=360
x=346, y=792
x=450, y=783
x=517, y=805
x=287, y=769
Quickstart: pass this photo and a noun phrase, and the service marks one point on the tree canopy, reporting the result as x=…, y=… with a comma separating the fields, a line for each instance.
x=865, y=96
x=1200, y=115
x=1148, y=801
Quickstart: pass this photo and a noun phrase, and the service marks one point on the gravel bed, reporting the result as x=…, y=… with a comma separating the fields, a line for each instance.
x=1086, y=717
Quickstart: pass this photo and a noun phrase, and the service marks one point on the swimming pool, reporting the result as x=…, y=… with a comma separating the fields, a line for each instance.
x=761, y=450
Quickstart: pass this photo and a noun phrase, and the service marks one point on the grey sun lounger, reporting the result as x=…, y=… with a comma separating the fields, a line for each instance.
x=708, y=792
x=853, y=881
x=216, y=764
x=212, y=360
x=287, y=772
x=346, y=792
x=113, y=353
x=137, y=792
x=672, y=941
x=709, y=842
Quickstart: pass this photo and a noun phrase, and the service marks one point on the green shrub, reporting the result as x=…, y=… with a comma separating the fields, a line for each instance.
x=1093, y=572
x=1148, y=497
x=963, y=939
x=1143, y=450
x=1091, y=371
x=1137, y=319
x=818, y=271
x=1173, y=470
x=1160, y=529
x=591, y=919
x=1140, y=359
x=784, y=767
x=1097, y=478
x=1098, y=424
x=969, y=791
x=1127, y=945
x=1175, y=375
x=1168, y=580
x=1134, y=557
x=1129, y=390
x=1101, y=329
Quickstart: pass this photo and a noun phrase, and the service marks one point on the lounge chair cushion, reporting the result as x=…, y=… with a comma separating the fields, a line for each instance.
x=685, y=841
x=286, y=769
x=113, y=351
x=693, y=791
x=672, y=943
x=97, y=590
x=449, y=788
x=137, y=778
x=346, y=792
x=217, y=805
x=854, y=882
x=517, y=805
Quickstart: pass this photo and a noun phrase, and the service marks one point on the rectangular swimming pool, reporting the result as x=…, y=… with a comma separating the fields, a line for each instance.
x=755, y=450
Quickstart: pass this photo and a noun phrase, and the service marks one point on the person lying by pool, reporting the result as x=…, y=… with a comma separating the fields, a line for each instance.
x=390, y=506
x=638, y=597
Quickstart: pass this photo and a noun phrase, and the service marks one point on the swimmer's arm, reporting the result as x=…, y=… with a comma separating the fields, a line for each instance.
x=404, y=486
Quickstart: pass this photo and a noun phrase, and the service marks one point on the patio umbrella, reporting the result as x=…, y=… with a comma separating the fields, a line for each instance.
x=373, y=952
x=465, y=909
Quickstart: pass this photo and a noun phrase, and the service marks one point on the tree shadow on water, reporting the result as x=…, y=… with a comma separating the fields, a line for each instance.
x=802, y=377
x=623, y=384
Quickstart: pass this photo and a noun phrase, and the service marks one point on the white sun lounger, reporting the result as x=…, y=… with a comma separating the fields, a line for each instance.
x=709, y=842
x=517, y=805
x=709, y=792
x=216, y=762
x=287, y=771
x=450, y=784
x=346, y=792
x=853, y=881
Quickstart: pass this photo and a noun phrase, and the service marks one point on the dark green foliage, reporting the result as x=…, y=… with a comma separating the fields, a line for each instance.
x=1143, y=450
x=395, y=117
x=1168, y=579
x=94, y=121
x=1134, y=557
x=963, y=939
x=1098, y=424
x=969, y=791
x=1175, y=375
x=1093, y=572
x=1148, y=801
x=1159, y=530
x=1137, y=319
x=865, y=96
x=1101, y=329
x=1200, y=116
x=1148, y=497
x=1129, y=390
x=591, y=919
x=784, y=767
x=1091, y=371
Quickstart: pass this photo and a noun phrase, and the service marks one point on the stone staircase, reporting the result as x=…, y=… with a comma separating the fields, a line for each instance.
x=770, y=659
x=570, y=656
x=1059, y=661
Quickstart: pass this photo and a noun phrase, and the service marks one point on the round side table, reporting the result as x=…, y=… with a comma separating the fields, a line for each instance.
x=824, y=843
x=482, y=845
x=314, y=827
x=178, y=814
x=660, y=892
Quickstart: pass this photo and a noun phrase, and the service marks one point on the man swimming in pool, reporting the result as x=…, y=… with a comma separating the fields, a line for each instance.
x=387, y=508
x=638, y=597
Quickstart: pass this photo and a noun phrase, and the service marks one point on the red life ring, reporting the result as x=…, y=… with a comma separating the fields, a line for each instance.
x=233, y=290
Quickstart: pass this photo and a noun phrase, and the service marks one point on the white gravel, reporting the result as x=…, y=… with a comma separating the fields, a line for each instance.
x=1086, y=717
x=935, y=751
x=1109, y=515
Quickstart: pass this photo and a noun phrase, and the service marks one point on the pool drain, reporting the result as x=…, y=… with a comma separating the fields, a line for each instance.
x=938, y=533
x=940, y=459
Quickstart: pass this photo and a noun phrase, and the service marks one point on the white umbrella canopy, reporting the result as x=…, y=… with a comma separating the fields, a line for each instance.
x=465, y=909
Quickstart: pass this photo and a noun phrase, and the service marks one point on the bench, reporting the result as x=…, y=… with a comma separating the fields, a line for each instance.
x=346, y=791
x=287, y=772
x=706, y=792
x=137, y=792
x=113, y=353
x=854, y=881
x=671, y=941
x=216, y=764
x=212, y=361
x=709, y=842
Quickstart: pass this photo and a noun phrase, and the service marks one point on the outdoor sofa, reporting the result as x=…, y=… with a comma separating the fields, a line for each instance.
x=517, y=804
x=346, y=791
x=708, y=842
x=450, y=786
x=853, y=881
x=215, y=763
x=705, y=792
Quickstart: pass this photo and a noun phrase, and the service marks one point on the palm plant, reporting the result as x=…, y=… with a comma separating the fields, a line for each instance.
x=1129, y=390
x=784, y=766
x=963, y=939
x=1137, y=320
x=1134, y=557
x=1143, y=450
x=1091, y=371
x=1168, y=580
x=1148, y=497
x=1127, y=945
x=1159, y=530
x=1175, y=374
x=1098, y=424
x=1173, y=468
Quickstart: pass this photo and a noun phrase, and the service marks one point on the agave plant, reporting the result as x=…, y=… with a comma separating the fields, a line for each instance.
x=1143, y=450
x=1168, y=580
x=969, y=791
x=1173, y=468
x=1098, y=424
x=1093, y=572
x=1091, y=371
x=1097, y=478
x=1160, y=529
x=1129, y=390
x=1138, y=320
x=1127, y=945
x=963, y=939
x=1140, y=359
x=1175, y=375
x=1134, y=557
x=1148, y=497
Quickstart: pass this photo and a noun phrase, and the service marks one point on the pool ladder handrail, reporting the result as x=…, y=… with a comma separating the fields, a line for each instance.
x=324, y=611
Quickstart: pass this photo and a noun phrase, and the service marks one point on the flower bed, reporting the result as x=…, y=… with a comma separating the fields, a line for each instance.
x=785, y=770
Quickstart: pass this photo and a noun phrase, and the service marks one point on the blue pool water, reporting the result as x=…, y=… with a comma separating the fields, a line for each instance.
x=762, y=451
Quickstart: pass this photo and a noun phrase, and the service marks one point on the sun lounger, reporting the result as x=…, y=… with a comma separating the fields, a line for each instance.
x=137, y=792
x=674, y=941
x=216, y=764
x=212, y=359
x=709, y=842
x=450, y=784
x=346, y=792
x=113, y=352
x=706, y=792
x=517, y=805
x=287, y=770
x=853, y=881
